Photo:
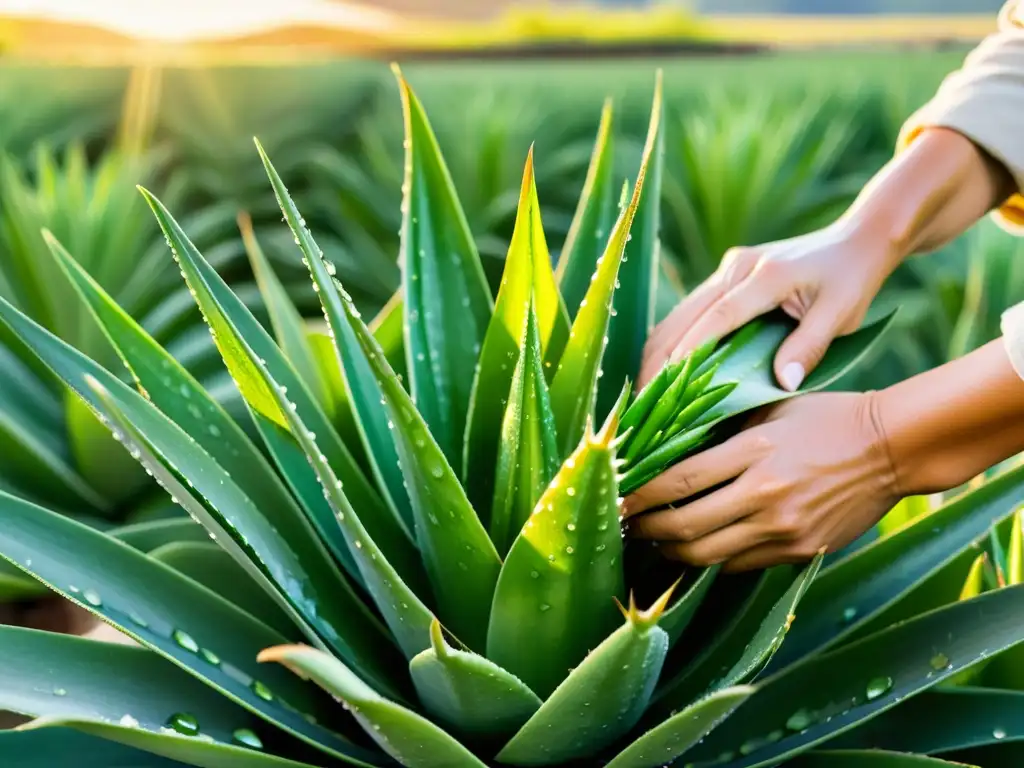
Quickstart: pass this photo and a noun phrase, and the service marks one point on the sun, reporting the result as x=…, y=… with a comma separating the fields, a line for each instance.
x=189, y=20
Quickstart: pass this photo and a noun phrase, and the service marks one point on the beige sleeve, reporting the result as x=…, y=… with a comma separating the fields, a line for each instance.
x=984, y=101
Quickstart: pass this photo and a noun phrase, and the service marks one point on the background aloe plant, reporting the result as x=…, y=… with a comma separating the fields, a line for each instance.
x=421, y=516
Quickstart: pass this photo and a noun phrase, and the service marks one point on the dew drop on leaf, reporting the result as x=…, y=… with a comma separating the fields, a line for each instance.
x=878, y=687
x=183, y=723
x=247, y=738
x=261, y=690
x=939, y=662
x=209, y=657
x=800, y=720
x=185, y=640
x=92, y=597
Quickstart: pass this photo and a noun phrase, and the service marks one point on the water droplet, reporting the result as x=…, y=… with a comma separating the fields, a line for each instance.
x=214, y=430
x=247, y=738
x=570, y=491
x=261, y=690
x=183, y=723
x=128, y=722
x=60, y=692
x=939, y=662
x=437, y=472
x=569, y=550
x=878, y=687
x=92, y=597
x=544, y=607
x=534, y=574
x=800, y=720
x=849, y=614
x=998, y=733
x=185, y=640
x=209, y=657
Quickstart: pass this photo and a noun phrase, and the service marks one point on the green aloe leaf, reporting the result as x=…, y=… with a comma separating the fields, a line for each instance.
x=746, y=358
x=678, y=617
x=365, y=394
x=957, y=718
x=47, y=747
x=209, y=565
x=554, y=600
x=165, y=383
x=409, y=738
x=169, y=614
x=773, y=629
x=528, y=454
x=468, y=693
x=15, y=586
x=192, y=751
x=40, y=468
x=593, y=221
x=288, y=325
x=680, y=392
x=447, y=529
x=574, y=386
x=242, y=342
x=665, y=742
x=527, y=274
x=1015, y=556
x=300, y=585
x=719, y=655
x=601, y=699
x=869, y=759
x=150, y=534
x=858, y=591
x=92, y=686
x=634, y=302
x=447, y=301
x=406, y=616
x=823, y=696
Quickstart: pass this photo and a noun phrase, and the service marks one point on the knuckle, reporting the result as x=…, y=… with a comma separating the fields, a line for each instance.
x=770, y=269
x=788, y=524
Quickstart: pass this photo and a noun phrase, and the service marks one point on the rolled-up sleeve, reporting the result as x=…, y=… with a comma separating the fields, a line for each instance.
x=984, y=101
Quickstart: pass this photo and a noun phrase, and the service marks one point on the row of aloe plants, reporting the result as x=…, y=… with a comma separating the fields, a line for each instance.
x=421, y=516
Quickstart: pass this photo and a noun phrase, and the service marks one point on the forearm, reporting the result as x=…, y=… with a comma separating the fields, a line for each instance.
x=945, y=426
x=926, y=196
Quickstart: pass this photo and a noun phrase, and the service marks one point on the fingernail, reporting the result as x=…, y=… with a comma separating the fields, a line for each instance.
x=792, y=376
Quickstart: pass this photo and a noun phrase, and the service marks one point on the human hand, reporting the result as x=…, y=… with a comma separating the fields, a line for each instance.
x=813, y=472
x=826, y=280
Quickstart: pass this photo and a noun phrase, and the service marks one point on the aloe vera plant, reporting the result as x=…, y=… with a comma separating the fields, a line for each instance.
x=444, y=557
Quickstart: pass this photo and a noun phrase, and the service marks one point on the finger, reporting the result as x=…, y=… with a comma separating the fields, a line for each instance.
x=735, y=265
x=698, y=473
x=768, y=555
x=751, y=298
x=718, y=547
x=804, y=348
x=667, y=333
x=699, y=518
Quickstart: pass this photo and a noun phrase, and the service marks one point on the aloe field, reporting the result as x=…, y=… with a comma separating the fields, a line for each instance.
x=333, y=429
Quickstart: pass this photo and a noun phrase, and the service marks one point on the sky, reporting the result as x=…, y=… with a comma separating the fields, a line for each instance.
x=175, y=20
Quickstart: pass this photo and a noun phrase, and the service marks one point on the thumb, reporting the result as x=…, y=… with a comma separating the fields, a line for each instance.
x=804, y=348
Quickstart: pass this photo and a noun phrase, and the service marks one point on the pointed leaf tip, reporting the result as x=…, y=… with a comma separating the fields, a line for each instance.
x=437, y=641
x=278, y=653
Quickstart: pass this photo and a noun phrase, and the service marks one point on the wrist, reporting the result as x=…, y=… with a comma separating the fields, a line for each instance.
x=927, y=195
x=943, y=427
